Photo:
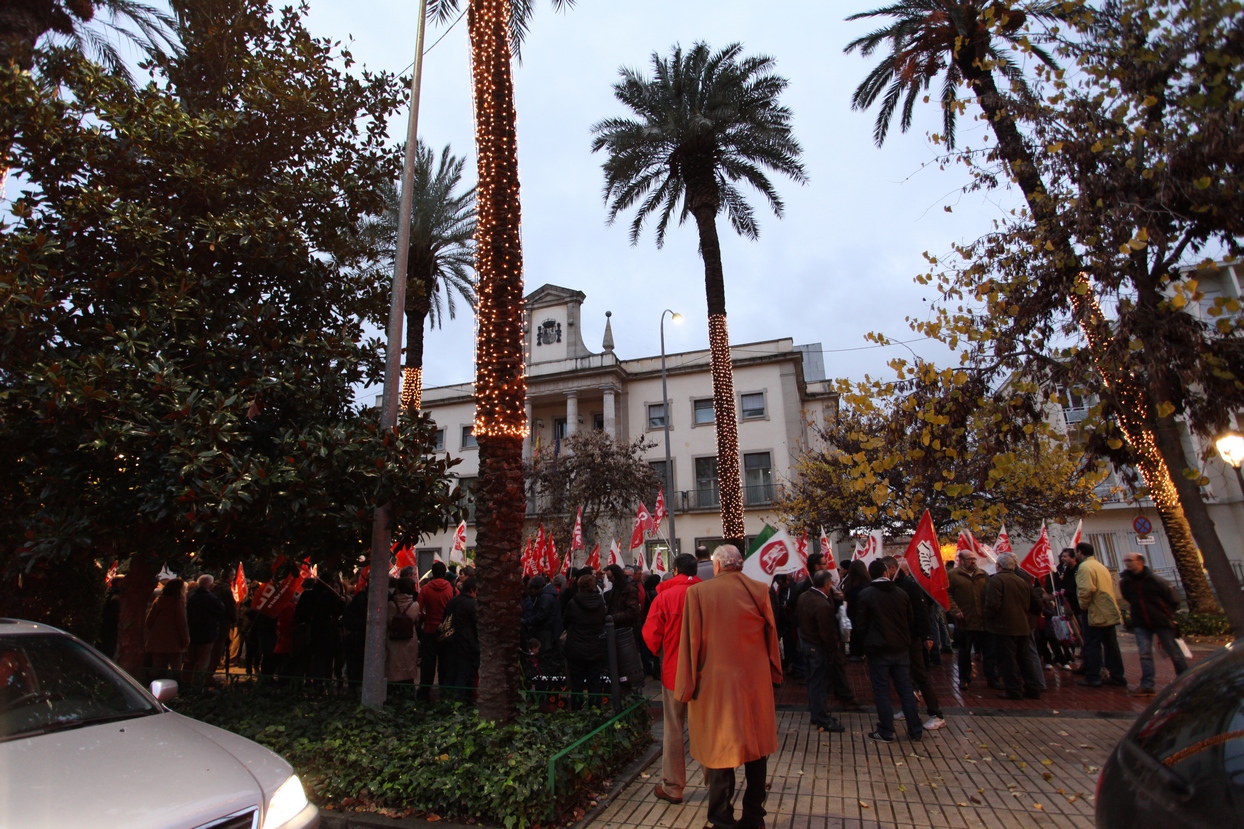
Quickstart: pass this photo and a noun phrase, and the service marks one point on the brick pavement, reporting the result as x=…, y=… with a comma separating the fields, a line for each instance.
x=1004, y=770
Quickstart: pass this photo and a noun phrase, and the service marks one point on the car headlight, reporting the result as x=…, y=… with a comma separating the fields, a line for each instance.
x=285, y=804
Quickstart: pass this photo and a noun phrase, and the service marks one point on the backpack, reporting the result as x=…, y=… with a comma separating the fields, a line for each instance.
x=445, y=630
x=401, y=627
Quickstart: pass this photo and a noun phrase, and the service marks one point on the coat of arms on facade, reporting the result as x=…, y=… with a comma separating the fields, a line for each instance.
x=549, y=332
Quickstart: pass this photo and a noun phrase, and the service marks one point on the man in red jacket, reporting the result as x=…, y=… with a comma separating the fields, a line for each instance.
x=433, y=599
x=661, y=632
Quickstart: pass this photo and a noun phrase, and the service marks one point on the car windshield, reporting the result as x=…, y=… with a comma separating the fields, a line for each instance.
x=51, y=682
x=1200, y=723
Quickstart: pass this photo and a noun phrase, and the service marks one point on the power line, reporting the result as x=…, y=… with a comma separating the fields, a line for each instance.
x=438, y=40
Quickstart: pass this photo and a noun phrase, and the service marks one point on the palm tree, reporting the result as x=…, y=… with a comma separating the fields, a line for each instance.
x=958, y=41
x=496, y=28
x=24, y=22
x=442, y=227
x=705, y=123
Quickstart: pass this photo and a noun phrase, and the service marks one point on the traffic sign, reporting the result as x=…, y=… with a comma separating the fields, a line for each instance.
x=1145, y=540
x=1142, y=525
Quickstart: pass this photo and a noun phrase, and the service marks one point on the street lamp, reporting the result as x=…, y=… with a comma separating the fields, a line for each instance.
x=1231, y=447
x=665, y=406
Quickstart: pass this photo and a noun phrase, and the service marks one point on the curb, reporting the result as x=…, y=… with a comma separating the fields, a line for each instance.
x=626, y=778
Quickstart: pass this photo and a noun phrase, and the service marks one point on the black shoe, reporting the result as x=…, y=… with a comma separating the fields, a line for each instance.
x=996, y=685
x=879, y=737
x=1078, y=671
x=1119, y=681
x=833, y=727
x=1032, y=695
x=1089, y=683
x=1010, y=695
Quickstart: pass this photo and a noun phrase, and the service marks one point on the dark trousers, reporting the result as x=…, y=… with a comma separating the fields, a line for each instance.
x=584, y=674
x=427, y=663
x=817, y=659
x=1014, y=662
x=1102, y=643
x=920, y=677
x=838, y=672
x=882, y=669
x=721, y=792
x=1051, y=650
x=983, y=643
x=459, y=674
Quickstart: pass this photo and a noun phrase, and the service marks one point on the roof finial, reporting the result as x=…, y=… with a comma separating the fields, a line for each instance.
x=608, y=343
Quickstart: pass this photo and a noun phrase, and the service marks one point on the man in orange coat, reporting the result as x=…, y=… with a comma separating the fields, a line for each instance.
x=728, y=663
x=662, y=631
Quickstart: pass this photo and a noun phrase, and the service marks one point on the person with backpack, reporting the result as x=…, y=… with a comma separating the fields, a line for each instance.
x=458, y=641
x=401, y=653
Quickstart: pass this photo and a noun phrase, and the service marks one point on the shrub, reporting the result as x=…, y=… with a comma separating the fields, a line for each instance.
x=1203, y=624
x=440, y=759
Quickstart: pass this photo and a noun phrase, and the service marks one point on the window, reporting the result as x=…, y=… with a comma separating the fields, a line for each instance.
x=559, y=428
x=656, y=415
x=468, y=437
x=704, y=412
x=467, y=499
x=424, y=556
x=757, y=478
x=706, y=493
x=753, y=405
x=658, y=469
x=651, y=548
x=438, y=443
x=598, y=421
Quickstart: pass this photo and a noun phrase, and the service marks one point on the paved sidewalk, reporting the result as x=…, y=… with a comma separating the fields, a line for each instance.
x=979, y=772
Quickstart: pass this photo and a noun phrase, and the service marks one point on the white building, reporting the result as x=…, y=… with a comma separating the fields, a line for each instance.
x=781, y=396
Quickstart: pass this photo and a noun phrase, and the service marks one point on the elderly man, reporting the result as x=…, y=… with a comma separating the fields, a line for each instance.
x=728, y=663
x=967, y=610
x=1152, y=602
x=1009, y=600
x=1095, y=589
x=205, y=614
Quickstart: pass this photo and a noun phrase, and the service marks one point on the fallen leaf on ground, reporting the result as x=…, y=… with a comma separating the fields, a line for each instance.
x=1063, y=734
x=1073, y=798
x=902, y=788
x=961, y=805
x=863, y=805
x=1047, y=762
x=1037, y=806
x=1045, y=775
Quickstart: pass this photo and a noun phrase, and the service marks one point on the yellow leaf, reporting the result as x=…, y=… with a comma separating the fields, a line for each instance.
x=1097, y=147
x=1203, y=182
x=1166, y=408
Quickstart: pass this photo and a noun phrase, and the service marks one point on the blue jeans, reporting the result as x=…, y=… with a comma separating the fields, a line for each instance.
x=1144, y=644
x=816, y=661
x=1102, y=643
x=882, y=668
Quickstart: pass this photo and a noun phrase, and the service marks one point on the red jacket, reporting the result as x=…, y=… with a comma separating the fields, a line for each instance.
x=664, y=624
x=433, y=598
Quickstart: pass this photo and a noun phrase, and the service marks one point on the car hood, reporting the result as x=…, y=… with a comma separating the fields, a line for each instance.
x=163, y=771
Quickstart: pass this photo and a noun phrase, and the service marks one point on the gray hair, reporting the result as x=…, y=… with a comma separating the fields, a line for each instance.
x=1006, y=561
x=206, y=580
x=728, y=557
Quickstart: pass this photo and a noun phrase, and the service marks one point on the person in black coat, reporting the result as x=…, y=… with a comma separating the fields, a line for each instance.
x=584, y=622
x=461, y=646
x=922, y=637
x=885, y=630
x=205, y=615
x=354, y=626
x=1152, y=603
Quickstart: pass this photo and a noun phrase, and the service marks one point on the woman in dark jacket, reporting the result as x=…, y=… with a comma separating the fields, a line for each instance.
x=168, y=634
x=623, y=598
x=584, y=623
x=857, y=579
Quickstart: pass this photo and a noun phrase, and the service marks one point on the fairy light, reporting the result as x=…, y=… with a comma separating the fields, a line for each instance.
x=412, y=387
x=500, y=385
x=728, y=483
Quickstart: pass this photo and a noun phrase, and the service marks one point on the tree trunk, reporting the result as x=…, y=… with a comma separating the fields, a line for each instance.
x=727, y=426
x=500, y=387
x=139, y=584
x=1131, y=396
x=22, y=23
x=418, y=306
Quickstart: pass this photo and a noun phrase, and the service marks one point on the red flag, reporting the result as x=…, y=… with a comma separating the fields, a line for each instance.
x=273, y=597
x=615, y=552
x=112, y=574
x=643, y=525
x=537, y=554
x=925, y=558
x=550, y=556
x=658, y=511
x=828, y=552
x=576, y=540
x=457, y=553
x=405, y=557
x=527, y=559
x=1079, y=536
x=593, y=560
x=1003, y=544
x=1037, y=562
x=239, y=588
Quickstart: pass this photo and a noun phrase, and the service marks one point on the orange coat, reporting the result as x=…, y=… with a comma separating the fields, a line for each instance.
x=728, y=663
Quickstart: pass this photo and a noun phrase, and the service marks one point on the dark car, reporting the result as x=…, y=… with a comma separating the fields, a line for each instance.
x=1181, y=766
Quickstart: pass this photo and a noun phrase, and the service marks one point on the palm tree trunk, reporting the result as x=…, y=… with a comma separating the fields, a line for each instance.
x=418, y=305
x=728, y=482
x=500, y=387
x=1132, y=398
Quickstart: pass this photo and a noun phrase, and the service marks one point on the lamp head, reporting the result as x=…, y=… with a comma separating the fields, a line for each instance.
x=677, y=317
x=1231, y=447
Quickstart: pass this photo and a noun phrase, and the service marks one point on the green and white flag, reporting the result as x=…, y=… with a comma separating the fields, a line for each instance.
x=773, y=552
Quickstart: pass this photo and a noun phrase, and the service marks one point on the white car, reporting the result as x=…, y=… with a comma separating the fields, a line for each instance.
x=83, y=745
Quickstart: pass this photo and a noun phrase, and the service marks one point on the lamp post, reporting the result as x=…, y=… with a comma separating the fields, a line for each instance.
x=1231, y=447
x=669, y=466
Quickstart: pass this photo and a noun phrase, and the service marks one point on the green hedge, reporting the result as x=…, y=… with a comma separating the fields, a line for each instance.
x=1203, y=624
x=435, y=758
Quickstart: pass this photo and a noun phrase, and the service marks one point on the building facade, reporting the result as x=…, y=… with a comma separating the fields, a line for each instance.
x=781, y=397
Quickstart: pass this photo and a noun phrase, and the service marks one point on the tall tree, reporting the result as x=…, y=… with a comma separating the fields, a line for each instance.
x=705, y=122
x=496, y=28
x=23, y=23
x=181, y=345
x=958, y=41
x=442, y=227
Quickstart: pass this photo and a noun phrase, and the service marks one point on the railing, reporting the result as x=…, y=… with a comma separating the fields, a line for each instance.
x=757, y=494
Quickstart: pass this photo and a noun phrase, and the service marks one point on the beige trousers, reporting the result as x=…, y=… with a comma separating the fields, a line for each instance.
x=673, y=751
